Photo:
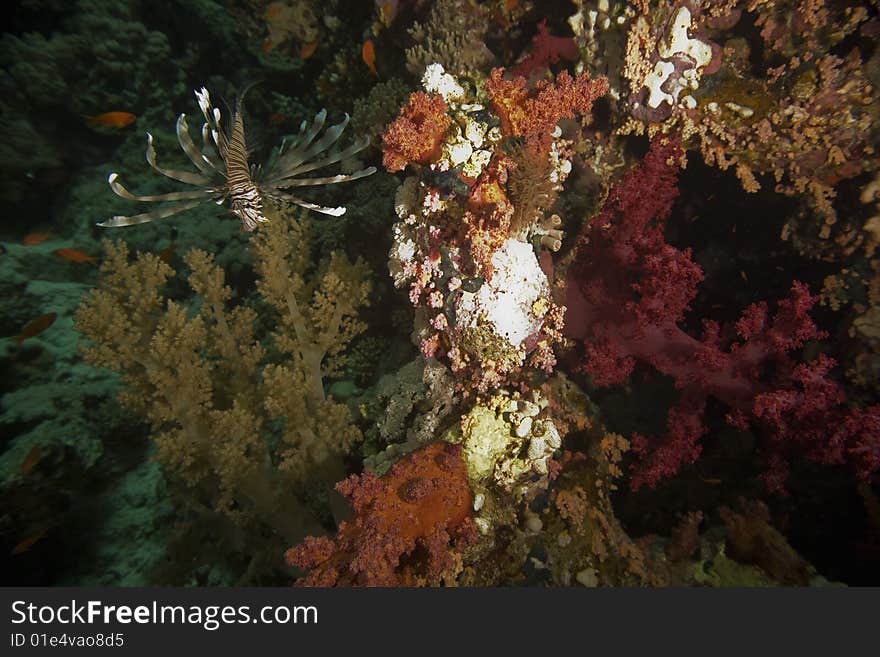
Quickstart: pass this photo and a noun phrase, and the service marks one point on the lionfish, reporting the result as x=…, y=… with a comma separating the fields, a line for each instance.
x=225, y=175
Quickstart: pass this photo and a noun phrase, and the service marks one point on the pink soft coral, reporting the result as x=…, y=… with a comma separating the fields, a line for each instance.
x=626, y=292
x=546, y=49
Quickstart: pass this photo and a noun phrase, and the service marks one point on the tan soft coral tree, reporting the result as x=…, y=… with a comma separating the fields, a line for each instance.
x=243, y=424
x=317, y=318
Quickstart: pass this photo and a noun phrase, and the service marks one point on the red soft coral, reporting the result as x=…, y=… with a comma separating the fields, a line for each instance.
x=486, y=222
x=546, y=49
x=418, y=132
x=533, y=114
x=422, y=502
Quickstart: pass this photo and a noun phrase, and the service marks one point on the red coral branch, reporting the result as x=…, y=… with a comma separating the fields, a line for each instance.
x=487, y=220
x=418, y=132
x=546, y=49
x=534, y=114
x=405, y=527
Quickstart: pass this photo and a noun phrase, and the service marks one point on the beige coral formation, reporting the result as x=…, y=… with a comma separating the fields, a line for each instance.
x=804, y=126
x=788, y=101
x=291, y=20
x=373, y=113
x=591, y=547
x=855, y=289
x=524, y=497
x=452, y=35
x=240, y=420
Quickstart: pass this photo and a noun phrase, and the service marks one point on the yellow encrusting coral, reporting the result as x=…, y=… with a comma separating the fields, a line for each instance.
x=241, y=420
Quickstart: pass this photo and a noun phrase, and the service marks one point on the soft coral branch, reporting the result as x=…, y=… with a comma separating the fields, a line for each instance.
x=417, y=133
x=422, y=502
x=546, y=49
x=534, y=113
x=626, y=292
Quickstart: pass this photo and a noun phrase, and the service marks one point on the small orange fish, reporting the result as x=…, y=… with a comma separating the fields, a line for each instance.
x=36, y=326
x=308, y=50
x=34, y=456
x=32, y=239
x=369, y=55
x=711, y=481
x=511, y=4
x=74, y=255
x=26, y=544
x=112, y=119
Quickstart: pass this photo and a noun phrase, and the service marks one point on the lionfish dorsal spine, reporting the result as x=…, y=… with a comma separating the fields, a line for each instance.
x=224, y=174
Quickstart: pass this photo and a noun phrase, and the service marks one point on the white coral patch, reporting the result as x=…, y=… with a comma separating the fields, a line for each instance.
x=474, y=132
x=655, y=81
x=436, y=80
x=402, y=253
x=506, y=301
x=561, y=166
x=458, y=152
x=677, y=42
x=477, y=162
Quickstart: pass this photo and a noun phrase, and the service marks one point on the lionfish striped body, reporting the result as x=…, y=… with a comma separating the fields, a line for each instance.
x=224, y=173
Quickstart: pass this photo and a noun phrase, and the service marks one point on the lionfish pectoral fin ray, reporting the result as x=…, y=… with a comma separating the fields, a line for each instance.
x=180, y=176
x=119, y=190
x=189, y=148
x=304, y=149
x=333, y=158
x=119, y=221
x=327, y=180
x=308, y=134
x=330, y=137
x=209, y=150
x=335, y=212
